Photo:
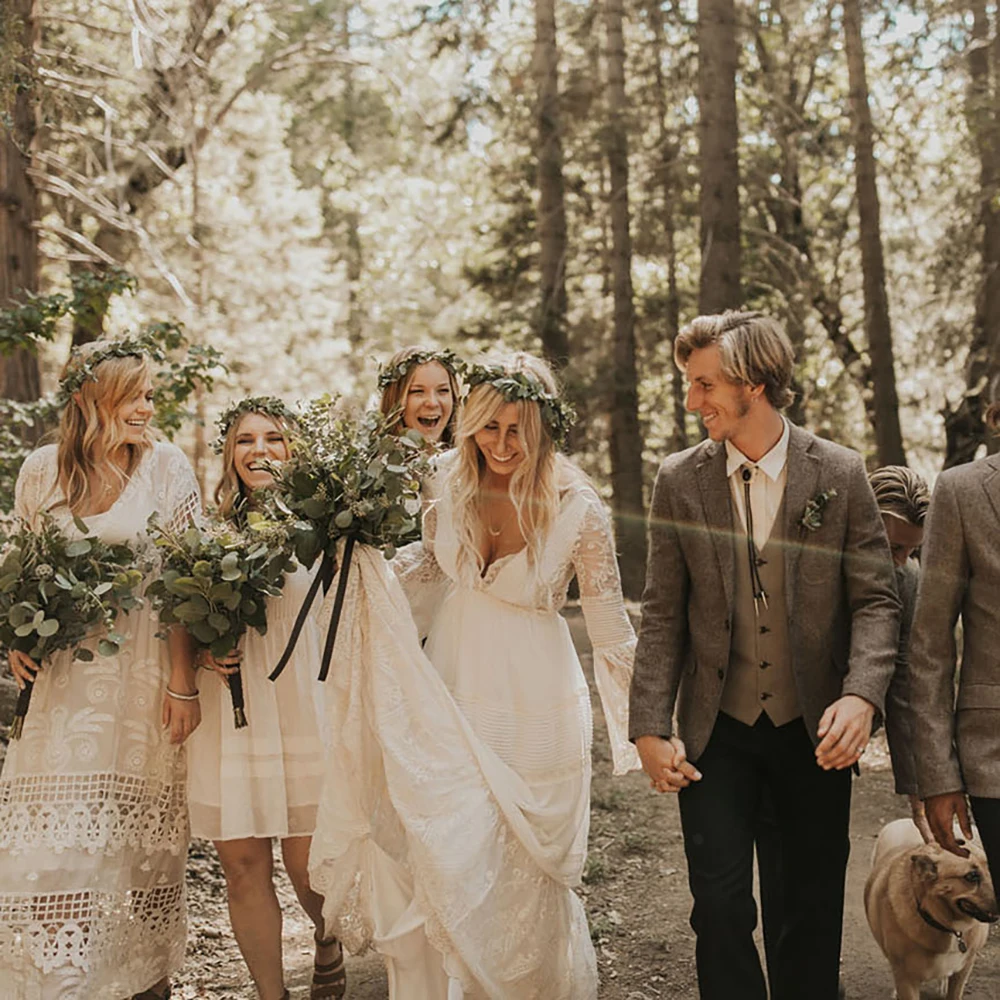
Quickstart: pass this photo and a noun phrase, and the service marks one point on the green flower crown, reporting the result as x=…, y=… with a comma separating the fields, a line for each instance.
x=388, y=374
x=81, y=364
x=557, y=415
x=272, y=406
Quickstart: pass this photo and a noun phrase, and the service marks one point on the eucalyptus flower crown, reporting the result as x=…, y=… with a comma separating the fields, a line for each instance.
x=557, y=415
x=271, y=406
x=388, y=374
x=82, y=362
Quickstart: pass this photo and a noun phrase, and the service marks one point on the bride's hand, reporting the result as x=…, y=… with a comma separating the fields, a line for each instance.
x=224, y=665
x=666, y=764
x=23, y=667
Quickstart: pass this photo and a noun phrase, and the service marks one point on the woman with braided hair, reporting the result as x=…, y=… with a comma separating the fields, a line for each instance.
x=247, y=786
x=903, y=499
x=93, y=810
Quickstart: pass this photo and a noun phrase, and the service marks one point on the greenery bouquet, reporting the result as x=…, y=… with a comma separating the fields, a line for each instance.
x=57, y=592
x=350, y=478
x=215, y=581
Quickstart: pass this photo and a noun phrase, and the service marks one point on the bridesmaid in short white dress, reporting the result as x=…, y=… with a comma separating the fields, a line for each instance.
x=93, y=813
x=249, y=785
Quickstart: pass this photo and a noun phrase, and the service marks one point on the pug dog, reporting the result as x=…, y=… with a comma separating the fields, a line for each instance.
x=928, y=909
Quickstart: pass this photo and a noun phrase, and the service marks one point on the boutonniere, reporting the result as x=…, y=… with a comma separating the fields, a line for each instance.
x=812, y=516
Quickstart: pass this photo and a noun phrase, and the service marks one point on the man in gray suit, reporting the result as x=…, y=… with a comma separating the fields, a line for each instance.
x=769, y=621
x=958, y=743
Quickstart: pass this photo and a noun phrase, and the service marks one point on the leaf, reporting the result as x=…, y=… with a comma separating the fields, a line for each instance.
x=80, y=547
x=84, y=654
x=314, y=508
x=202, y=568
x=81, y=525
x=48, y=627
x=219, y=622
x=344, y=519
x=220, y=591
x=189, y=612
x=203, y=632
x=62, y=582
x=107, y=648
x=26, y=629
x=103, y=588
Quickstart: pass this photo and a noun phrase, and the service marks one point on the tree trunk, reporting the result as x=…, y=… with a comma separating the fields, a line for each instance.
x=666, y=178
x=964, y=428
x=719, y=286
x=888, y=436
x=19, y=205
x=626, y=437
x=551, y=221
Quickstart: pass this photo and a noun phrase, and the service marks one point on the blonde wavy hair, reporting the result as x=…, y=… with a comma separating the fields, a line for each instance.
x=393, y=399
x=88, y=429
x=753, y=349
x=535, y=484
x=230, y=492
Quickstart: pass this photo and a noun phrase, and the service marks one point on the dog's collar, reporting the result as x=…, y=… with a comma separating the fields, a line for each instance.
x=938, y=926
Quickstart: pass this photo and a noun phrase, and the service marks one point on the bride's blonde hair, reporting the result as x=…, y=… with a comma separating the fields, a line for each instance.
x=536, y=482
x=230, y=493
x=88, y=430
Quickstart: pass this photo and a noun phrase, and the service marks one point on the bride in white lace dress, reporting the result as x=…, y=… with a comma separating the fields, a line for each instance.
x=457, y=851
x=93, y=816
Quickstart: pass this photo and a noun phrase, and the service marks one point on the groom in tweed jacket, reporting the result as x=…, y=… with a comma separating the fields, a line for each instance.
x=958, y=740
x=769, y=623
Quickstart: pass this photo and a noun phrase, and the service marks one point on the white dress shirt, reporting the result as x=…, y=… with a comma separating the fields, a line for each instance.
x=767, y=485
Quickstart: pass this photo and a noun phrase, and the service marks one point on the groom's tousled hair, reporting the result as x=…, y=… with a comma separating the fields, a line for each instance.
x=754, y=349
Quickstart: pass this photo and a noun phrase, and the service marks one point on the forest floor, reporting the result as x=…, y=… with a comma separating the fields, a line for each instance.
x=635, y=891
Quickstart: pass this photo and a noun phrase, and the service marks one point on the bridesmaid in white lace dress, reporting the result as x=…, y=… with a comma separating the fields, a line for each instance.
x=466, y=885
x=246, y=786
x=93, y=813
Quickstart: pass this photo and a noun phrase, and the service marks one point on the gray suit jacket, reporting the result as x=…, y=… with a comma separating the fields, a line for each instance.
x=898, y=717
x=843, y=612
x=961, y=576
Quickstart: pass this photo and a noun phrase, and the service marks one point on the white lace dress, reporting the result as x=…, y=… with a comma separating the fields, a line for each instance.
x=456, y=850
x=93, y=817
x=262, y=780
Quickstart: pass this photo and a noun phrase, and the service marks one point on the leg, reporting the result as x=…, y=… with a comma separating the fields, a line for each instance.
x=767, y=839
x=717, y=816
x=986, y=813
x=329, y=974
x=254, y=911
x=813, y=811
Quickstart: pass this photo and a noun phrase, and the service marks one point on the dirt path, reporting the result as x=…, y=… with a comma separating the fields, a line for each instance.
x=635, y=890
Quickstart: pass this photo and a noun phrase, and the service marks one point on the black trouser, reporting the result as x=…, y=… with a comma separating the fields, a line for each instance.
x=987, y=815
x=719, y=816
x=767, y=839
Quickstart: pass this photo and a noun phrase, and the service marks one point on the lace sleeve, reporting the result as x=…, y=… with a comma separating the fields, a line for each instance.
x=424, y=582
x=608, y=627
x=178, y=499
x=35, y=484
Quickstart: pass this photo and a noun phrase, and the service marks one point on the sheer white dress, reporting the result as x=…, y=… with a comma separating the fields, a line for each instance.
x=262, y=780
x=455, y=847
x=93, y=813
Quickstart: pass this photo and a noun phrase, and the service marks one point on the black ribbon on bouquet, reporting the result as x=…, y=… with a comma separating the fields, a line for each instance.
x=21, y=710
x=324, y=577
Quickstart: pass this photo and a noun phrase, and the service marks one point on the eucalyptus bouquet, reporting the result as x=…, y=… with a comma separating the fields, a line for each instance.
x=351, y=478
x=215, y=581
x=57, y=592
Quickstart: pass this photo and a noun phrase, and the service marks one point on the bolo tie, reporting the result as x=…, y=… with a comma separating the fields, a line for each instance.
x=759, y=594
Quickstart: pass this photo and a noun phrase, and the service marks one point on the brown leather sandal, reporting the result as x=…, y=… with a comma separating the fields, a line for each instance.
x=151, y=994
x=329, y=980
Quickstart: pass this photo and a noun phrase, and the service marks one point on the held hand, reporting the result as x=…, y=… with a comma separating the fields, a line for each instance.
x=224, y=665
x=180, y=717
x=941, y=813
x=920, y=818
x=666, y=764
x=844, y=731
x=23, y=667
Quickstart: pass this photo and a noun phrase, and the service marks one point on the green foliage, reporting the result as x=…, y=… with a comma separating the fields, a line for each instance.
x=216, y=579
x=59, y=593
x=349, y=477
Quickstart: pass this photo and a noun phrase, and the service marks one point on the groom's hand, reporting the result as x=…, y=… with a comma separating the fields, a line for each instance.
x=666, y=764
x=844, y=732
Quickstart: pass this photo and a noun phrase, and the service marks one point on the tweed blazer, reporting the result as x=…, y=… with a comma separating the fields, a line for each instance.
x=843, y=612
x=958, y=741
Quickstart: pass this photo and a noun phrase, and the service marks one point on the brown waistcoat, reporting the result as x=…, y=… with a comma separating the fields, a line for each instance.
x=759, y=677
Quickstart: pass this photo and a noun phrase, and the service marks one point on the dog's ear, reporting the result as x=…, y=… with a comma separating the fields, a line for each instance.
x=924, y=868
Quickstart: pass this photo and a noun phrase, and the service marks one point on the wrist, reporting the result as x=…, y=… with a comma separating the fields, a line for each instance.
x=182, y=680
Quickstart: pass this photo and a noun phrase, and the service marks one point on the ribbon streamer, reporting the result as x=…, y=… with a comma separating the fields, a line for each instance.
x=323, y=577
